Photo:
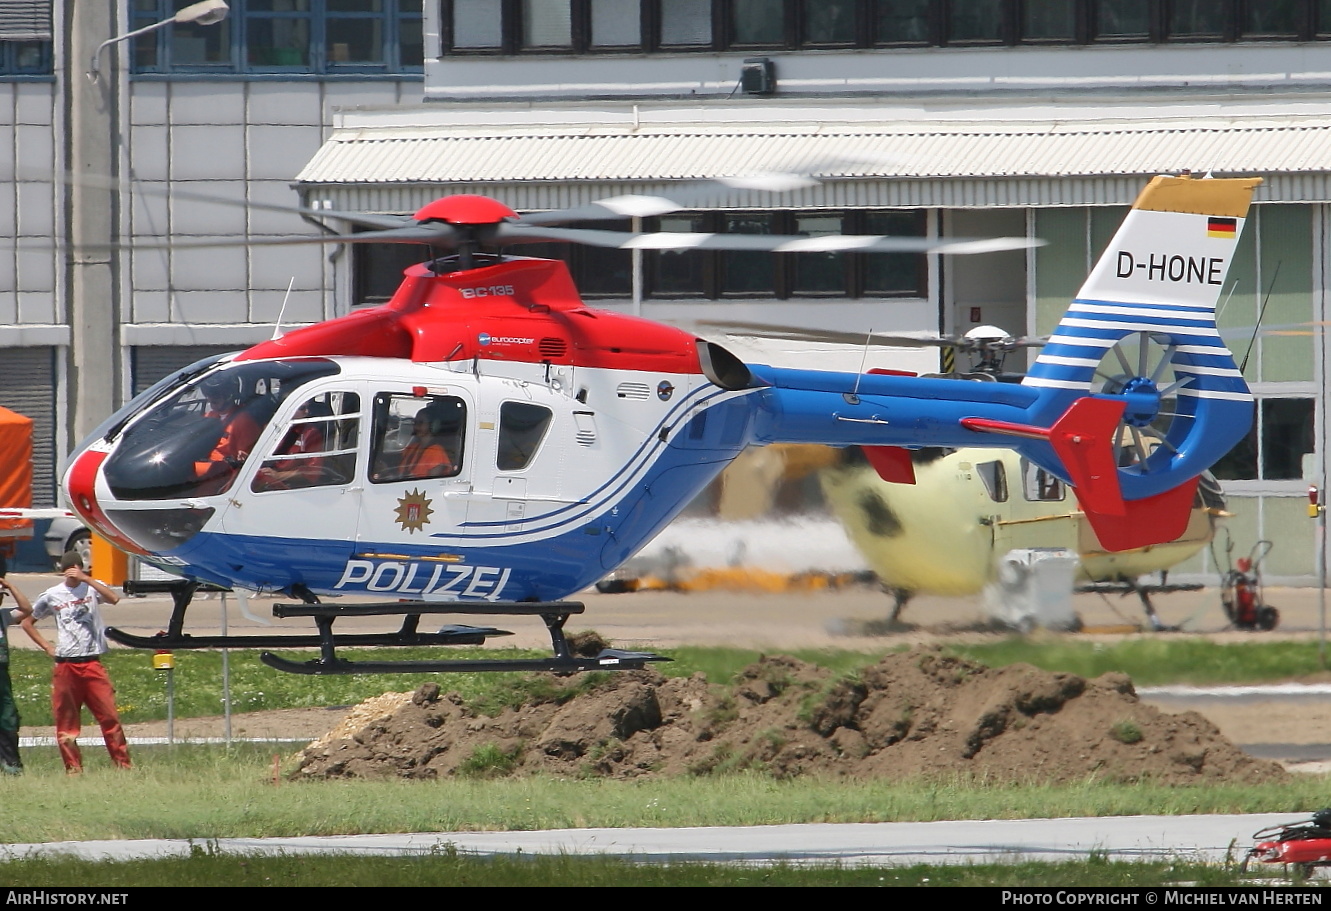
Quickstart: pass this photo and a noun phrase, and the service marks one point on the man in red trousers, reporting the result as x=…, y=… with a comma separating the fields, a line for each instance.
x=79, y=678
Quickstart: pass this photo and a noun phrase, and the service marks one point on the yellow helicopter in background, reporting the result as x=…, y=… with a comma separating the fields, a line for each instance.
x=949, y=532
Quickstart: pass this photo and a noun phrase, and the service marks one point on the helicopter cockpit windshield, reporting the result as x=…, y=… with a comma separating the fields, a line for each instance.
x=193, y=442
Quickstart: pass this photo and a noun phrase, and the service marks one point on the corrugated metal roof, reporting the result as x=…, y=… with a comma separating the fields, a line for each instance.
x=920, y=163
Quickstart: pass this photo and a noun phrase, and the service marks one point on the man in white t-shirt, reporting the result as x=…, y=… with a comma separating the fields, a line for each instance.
x=79, y=677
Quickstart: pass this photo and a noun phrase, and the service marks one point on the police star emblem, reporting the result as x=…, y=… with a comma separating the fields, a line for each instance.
x=413, y=512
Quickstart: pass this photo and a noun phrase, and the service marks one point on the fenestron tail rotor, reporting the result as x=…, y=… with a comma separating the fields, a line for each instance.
x=1143, y=369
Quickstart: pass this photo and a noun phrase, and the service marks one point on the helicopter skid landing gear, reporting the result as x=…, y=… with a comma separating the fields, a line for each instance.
x=182, y=592
x=554, y=613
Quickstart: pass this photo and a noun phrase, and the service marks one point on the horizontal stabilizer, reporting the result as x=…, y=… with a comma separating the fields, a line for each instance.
x=892, y=463
x=1083, y=438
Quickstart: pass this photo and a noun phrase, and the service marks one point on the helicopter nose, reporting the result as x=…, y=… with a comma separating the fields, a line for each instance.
x=81, y=489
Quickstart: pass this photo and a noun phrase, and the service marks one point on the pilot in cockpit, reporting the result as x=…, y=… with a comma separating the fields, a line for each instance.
x=224, y=395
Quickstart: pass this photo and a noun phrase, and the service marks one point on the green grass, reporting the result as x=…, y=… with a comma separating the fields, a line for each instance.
x=202, y=792
x=1157, y=660
x=212, y=792
x=206, y=867
x=141, y=691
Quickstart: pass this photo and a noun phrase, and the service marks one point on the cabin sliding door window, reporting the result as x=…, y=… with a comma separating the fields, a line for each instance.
x=318, y=448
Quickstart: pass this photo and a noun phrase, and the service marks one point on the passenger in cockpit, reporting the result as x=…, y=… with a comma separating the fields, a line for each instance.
x=425, y=456
x=302, y=438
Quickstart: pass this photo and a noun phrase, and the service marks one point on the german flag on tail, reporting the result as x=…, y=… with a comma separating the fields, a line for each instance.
x=1224, y=228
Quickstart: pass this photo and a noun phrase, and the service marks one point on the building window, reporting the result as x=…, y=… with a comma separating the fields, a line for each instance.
x=1283, y=433
x=547, y=25
x=1271, y=19
x=25, y=58
x=717, y=275
x=832, y=23
x=757, y=23
x=25, y=38
x=1054, y=21
x=975, y=21
x=685, y=24
x=377, y=269
x=903, y=22
x=1121, y=20
x=283, y=36
x=617, y=26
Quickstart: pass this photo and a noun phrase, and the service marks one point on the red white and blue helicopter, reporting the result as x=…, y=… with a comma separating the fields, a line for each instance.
x=486, y=443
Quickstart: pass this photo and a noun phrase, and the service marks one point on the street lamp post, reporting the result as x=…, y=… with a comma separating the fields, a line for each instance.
x=206, y=12
x=91, y=110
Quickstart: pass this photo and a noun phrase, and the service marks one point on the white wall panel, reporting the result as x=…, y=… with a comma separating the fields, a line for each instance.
x=272, y=268
x=35, y=306
x=150, y=306
x=36, y=210
x=34, y=103
x=279, y=152
x=217, y=269
x=302, y=307
x=8, y=210
x=149, y=152
x=148, y=103
x=192, y=217
x=150, y=211
x=284, y=103
x=35, y=150
x=275, y=193
x=150, y=272
x=214, y=152
x=199, y=308
x=36, y=264
x=211, y=102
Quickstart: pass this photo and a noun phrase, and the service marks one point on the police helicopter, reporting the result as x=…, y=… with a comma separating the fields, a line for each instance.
x=486, y=444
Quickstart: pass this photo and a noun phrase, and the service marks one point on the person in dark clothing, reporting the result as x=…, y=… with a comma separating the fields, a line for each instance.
x=10, y=761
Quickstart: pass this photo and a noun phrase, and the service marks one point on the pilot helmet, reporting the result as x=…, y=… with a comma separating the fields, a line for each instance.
x=441, y=417
x=222, y=387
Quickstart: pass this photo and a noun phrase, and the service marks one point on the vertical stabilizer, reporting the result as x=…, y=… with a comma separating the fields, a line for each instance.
x=1142, y=329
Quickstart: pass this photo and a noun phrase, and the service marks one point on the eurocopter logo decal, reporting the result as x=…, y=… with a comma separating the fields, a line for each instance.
x=486, y=338
x=413, y=512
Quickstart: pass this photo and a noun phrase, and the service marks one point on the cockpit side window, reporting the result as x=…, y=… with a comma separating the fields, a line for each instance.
x=417, y=437
x=193, y=442
x=318, y=448
x=1038, y=484
x=994, y=476
x=522, y=427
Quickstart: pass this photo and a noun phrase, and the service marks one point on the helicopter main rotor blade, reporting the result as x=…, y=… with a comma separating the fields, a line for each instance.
x=829, y=336
x=701, y=194
x=834, y=336
x=138, y=187
x=773, y=243
x=434, y=234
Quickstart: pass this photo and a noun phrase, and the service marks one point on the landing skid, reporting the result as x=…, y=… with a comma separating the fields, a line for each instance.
x=1144, y=593
x=554, y=613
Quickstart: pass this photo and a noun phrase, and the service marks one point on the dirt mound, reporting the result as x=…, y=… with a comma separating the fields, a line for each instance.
x=914, y=714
